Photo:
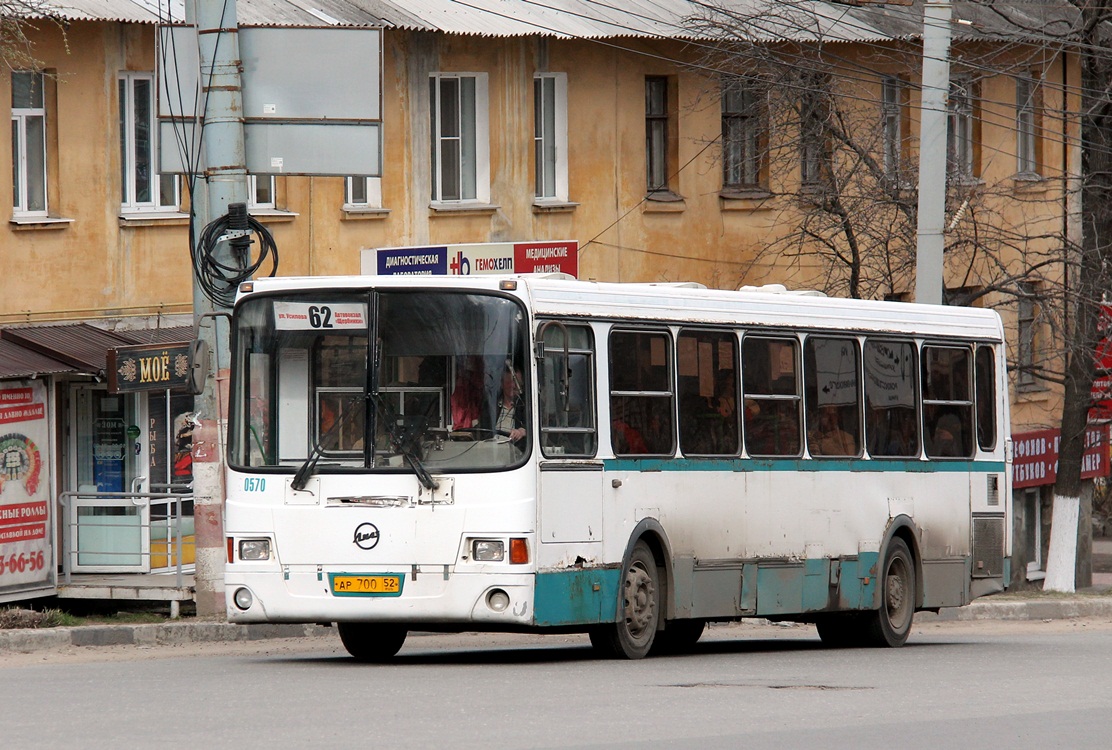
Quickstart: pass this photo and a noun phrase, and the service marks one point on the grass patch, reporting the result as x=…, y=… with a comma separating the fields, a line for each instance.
x=18, y=617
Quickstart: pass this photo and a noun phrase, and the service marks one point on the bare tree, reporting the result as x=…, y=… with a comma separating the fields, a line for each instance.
x=836, y=165
x=17, y=18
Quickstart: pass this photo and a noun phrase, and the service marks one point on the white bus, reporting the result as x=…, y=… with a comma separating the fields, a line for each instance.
x=536, y=453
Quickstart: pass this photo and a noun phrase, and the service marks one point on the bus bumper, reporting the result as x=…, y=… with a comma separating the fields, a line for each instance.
x=436, y=596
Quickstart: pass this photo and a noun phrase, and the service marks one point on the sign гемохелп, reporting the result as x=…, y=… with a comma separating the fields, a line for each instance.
x=149, y=367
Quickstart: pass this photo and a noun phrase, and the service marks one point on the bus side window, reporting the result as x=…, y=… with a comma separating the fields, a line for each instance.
x=566, y=392
x=641, y=393
x=891, y=395
x=947, y=402
x=985, y=372
x=833, y=390
x=707, y=387
x=770, y=387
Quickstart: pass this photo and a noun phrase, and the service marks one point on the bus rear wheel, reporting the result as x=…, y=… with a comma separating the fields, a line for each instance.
x=632, y=636
x=891, y=624
x=371, y=642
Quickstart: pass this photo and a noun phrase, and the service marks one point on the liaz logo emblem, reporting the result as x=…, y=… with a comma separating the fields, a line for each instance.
x=366, y=536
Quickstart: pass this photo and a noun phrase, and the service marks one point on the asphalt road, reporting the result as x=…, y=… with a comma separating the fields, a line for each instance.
x=983, y=684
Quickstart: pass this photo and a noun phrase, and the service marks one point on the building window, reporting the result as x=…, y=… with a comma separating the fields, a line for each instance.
x=1026, y=123
x=814, y=145
x=28, y=144
x=141, y=187
x=460, y=164
x=550, y=136
x=656, y=132
x=742, y=133
x=894, y=92
x=1027, y=318
x=960, y=136
x=260, y=191
x=362, y=192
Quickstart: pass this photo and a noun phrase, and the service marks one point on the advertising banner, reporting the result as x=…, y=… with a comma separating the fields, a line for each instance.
x=26, y=552
x=557, y=256
x=1036, y=456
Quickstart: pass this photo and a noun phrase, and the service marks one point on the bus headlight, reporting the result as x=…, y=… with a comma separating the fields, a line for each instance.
x=254, y=549
x=488, y=550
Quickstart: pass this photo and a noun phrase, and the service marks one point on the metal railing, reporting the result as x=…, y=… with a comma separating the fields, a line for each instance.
x=172, y=496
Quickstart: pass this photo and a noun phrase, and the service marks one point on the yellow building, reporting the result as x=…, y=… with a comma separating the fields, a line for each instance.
x=630, y=132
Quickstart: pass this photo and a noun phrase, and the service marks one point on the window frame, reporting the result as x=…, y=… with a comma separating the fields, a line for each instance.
x=588, y=353
x=749, y=416
x=21, y=178
x=371, y=188
x=550, y=136
x=253, y=202
x=952, y=403
x=743, y=134
x=657, y=125
x=479, y=192
x=614, y=393
x=128, y=123
x=812, y=388
x=714, y=405
x=1028, y=335
x=961, y=131
x=1027, y=90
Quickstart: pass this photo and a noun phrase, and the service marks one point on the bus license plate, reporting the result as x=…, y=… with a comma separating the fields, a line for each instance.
x=346, y=584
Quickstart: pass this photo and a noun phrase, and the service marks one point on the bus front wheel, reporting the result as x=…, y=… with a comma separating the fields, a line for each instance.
x=371, y=642
x=632, y=636
x=891, y=624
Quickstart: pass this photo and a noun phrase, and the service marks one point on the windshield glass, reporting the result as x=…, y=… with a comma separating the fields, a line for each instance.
x=447, y=392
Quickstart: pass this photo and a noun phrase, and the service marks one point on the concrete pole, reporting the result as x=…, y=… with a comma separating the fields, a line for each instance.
x=225, y=182
x=932, y=151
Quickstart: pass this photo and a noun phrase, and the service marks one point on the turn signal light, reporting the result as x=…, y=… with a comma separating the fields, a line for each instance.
x=519, y=551
x=231, y=550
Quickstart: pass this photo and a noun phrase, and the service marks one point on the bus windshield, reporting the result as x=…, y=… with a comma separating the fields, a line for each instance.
x=447, y=390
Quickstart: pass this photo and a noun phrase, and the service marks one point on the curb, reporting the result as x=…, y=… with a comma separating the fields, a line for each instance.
x=1060, y=609
x=58, y=639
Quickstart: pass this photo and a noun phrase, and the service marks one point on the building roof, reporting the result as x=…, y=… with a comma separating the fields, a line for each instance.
x=75, y=348
x=767, y=20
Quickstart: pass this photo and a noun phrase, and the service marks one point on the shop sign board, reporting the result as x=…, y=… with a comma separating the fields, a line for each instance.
x=1036, y=456
x=556, y=256
x=26, y=542
x=149, y=367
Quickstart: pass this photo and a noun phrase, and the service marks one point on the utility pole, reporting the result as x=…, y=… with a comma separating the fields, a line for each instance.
x=932, y=151
x=225, y=181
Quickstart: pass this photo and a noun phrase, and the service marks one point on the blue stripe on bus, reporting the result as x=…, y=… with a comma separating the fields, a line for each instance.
x=590, y=596
x=802, y=465
x=576, y=597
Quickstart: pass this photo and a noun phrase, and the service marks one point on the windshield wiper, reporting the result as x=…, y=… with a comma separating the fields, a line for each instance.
x=301, y=476
x=406, y=440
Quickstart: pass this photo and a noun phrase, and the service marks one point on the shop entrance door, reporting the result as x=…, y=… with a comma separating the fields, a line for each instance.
x=107, y=455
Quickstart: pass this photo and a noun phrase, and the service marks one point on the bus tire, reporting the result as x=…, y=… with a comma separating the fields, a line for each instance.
x=371, y=642
x=632, y=636
x=891, y=623
x=678, y=636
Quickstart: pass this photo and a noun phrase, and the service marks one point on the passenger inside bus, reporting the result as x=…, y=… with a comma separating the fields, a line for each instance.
x=827, y=438
x=511, y=409
x=467, y=395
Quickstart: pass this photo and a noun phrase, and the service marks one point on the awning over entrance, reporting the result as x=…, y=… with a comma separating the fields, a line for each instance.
x=72, y=348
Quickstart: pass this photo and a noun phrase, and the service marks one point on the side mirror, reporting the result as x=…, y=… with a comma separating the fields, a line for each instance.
x=198, y=367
